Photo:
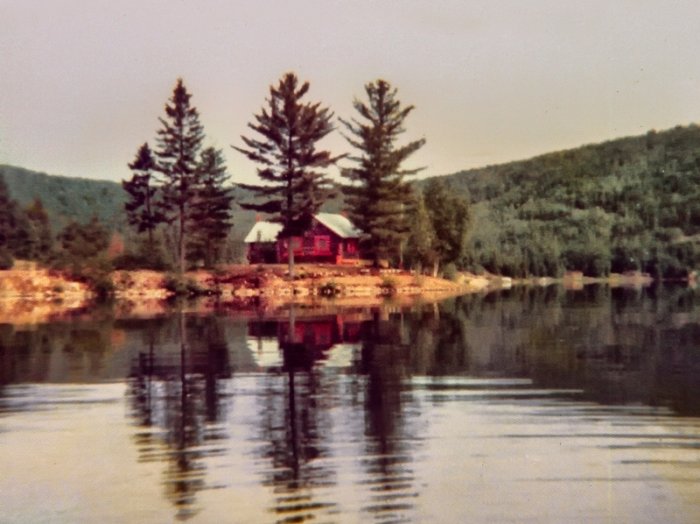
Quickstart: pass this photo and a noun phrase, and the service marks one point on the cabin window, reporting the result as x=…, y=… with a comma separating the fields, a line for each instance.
x=351, y=247
x=322, y=243
x=296, y=243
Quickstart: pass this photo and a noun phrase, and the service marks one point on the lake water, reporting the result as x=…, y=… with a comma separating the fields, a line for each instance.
x=529, y=405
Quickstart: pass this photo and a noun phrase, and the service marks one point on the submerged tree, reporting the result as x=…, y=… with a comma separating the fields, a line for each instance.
x=142, y=209
x=378, y=196
x=290, y=163
x=179, y=143
x=211, y=211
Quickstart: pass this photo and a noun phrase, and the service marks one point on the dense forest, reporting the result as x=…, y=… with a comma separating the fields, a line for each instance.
x=626, y=204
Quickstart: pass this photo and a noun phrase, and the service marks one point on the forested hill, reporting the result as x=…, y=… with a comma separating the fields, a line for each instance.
x=626, y=204
x=66, y=198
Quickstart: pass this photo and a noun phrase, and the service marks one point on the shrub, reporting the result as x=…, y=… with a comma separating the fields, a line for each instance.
x=6, y=260
x=450, y=272
x=182, y=286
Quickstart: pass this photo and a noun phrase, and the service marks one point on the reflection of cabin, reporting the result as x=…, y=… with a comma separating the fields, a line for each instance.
x=312, y=336
x=331, y=238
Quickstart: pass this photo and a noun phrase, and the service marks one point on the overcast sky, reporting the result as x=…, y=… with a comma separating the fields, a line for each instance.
x=83, y=82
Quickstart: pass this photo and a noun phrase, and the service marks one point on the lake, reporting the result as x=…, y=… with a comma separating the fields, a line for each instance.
x=525, y=405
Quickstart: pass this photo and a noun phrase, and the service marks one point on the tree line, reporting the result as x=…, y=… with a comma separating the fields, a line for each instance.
x=179, y=199
x=180, y=190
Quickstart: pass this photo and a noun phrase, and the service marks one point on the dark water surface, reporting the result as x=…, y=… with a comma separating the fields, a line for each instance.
x=532, y=405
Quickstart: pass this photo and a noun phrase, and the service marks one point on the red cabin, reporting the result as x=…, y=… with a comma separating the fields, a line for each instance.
x=332, y=238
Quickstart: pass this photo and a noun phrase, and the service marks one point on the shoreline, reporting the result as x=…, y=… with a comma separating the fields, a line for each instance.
x=33, y=295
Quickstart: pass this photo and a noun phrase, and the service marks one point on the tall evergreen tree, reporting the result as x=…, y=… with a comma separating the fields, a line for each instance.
x=378, y=195
x=179, y=144
x=211, y=212
x=291, y=164
x=142, y=208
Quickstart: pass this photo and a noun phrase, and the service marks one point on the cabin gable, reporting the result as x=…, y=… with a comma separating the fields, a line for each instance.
x=330, y=239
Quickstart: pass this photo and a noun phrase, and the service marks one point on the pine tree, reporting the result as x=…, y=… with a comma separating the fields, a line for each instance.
x=378, y=196
x=179, y=144
x=143, y=211
x=211, y=211
x=291, y=165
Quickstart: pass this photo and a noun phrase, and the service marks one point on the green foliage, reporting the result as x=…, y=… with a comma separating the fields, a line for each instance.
x=377, y=195
x=6, y=260
x=67, y=199
x=290, y=164
x=143, y=209
x=450, y=218
x=143, y=254
x=450, y=271
x=419, y=252
x=627, y=204
x=211, y=210
x=182, y=286
x=40, y=224
x=179, y=142
x=17, y=238
x=82, y=255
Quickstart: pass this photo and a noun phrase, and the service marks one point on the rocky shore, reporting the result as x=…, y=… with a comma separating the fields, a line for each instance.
x=30, y=291
x=32, y=294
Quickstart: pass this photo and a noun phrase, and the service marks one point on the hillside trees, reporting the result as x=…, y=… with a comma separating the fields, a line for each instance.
x=450, y=218
x=16, y=235
x=419, y=250
x=41, y=229
x=377, y=194
x=291, y=165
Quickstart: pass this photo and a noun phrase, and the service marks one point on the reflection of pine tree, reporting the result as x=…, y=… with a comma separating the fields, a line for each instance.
x=177, y=403
x=293, y=426
x=388, y=455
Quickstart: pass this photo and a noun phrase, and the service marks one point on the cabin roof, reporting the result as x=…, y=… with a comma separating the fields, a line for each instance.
x=263, y=232
x=339, y=224
x=268, y=231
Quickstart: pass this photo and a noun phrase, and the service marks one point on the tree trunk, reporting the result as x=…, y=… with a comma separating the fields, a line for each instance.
x=290, y=256
x=181, y=241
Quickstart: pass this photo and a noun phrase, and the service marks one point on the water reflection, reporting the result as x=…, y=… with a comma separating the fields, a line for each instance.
x=295, y=417
x=390, y=441
x=349, y=414
x=175, y=396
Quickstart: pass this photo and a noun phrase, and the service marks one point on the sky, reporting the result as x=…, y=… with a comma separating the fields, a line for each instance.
x=83, y=82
